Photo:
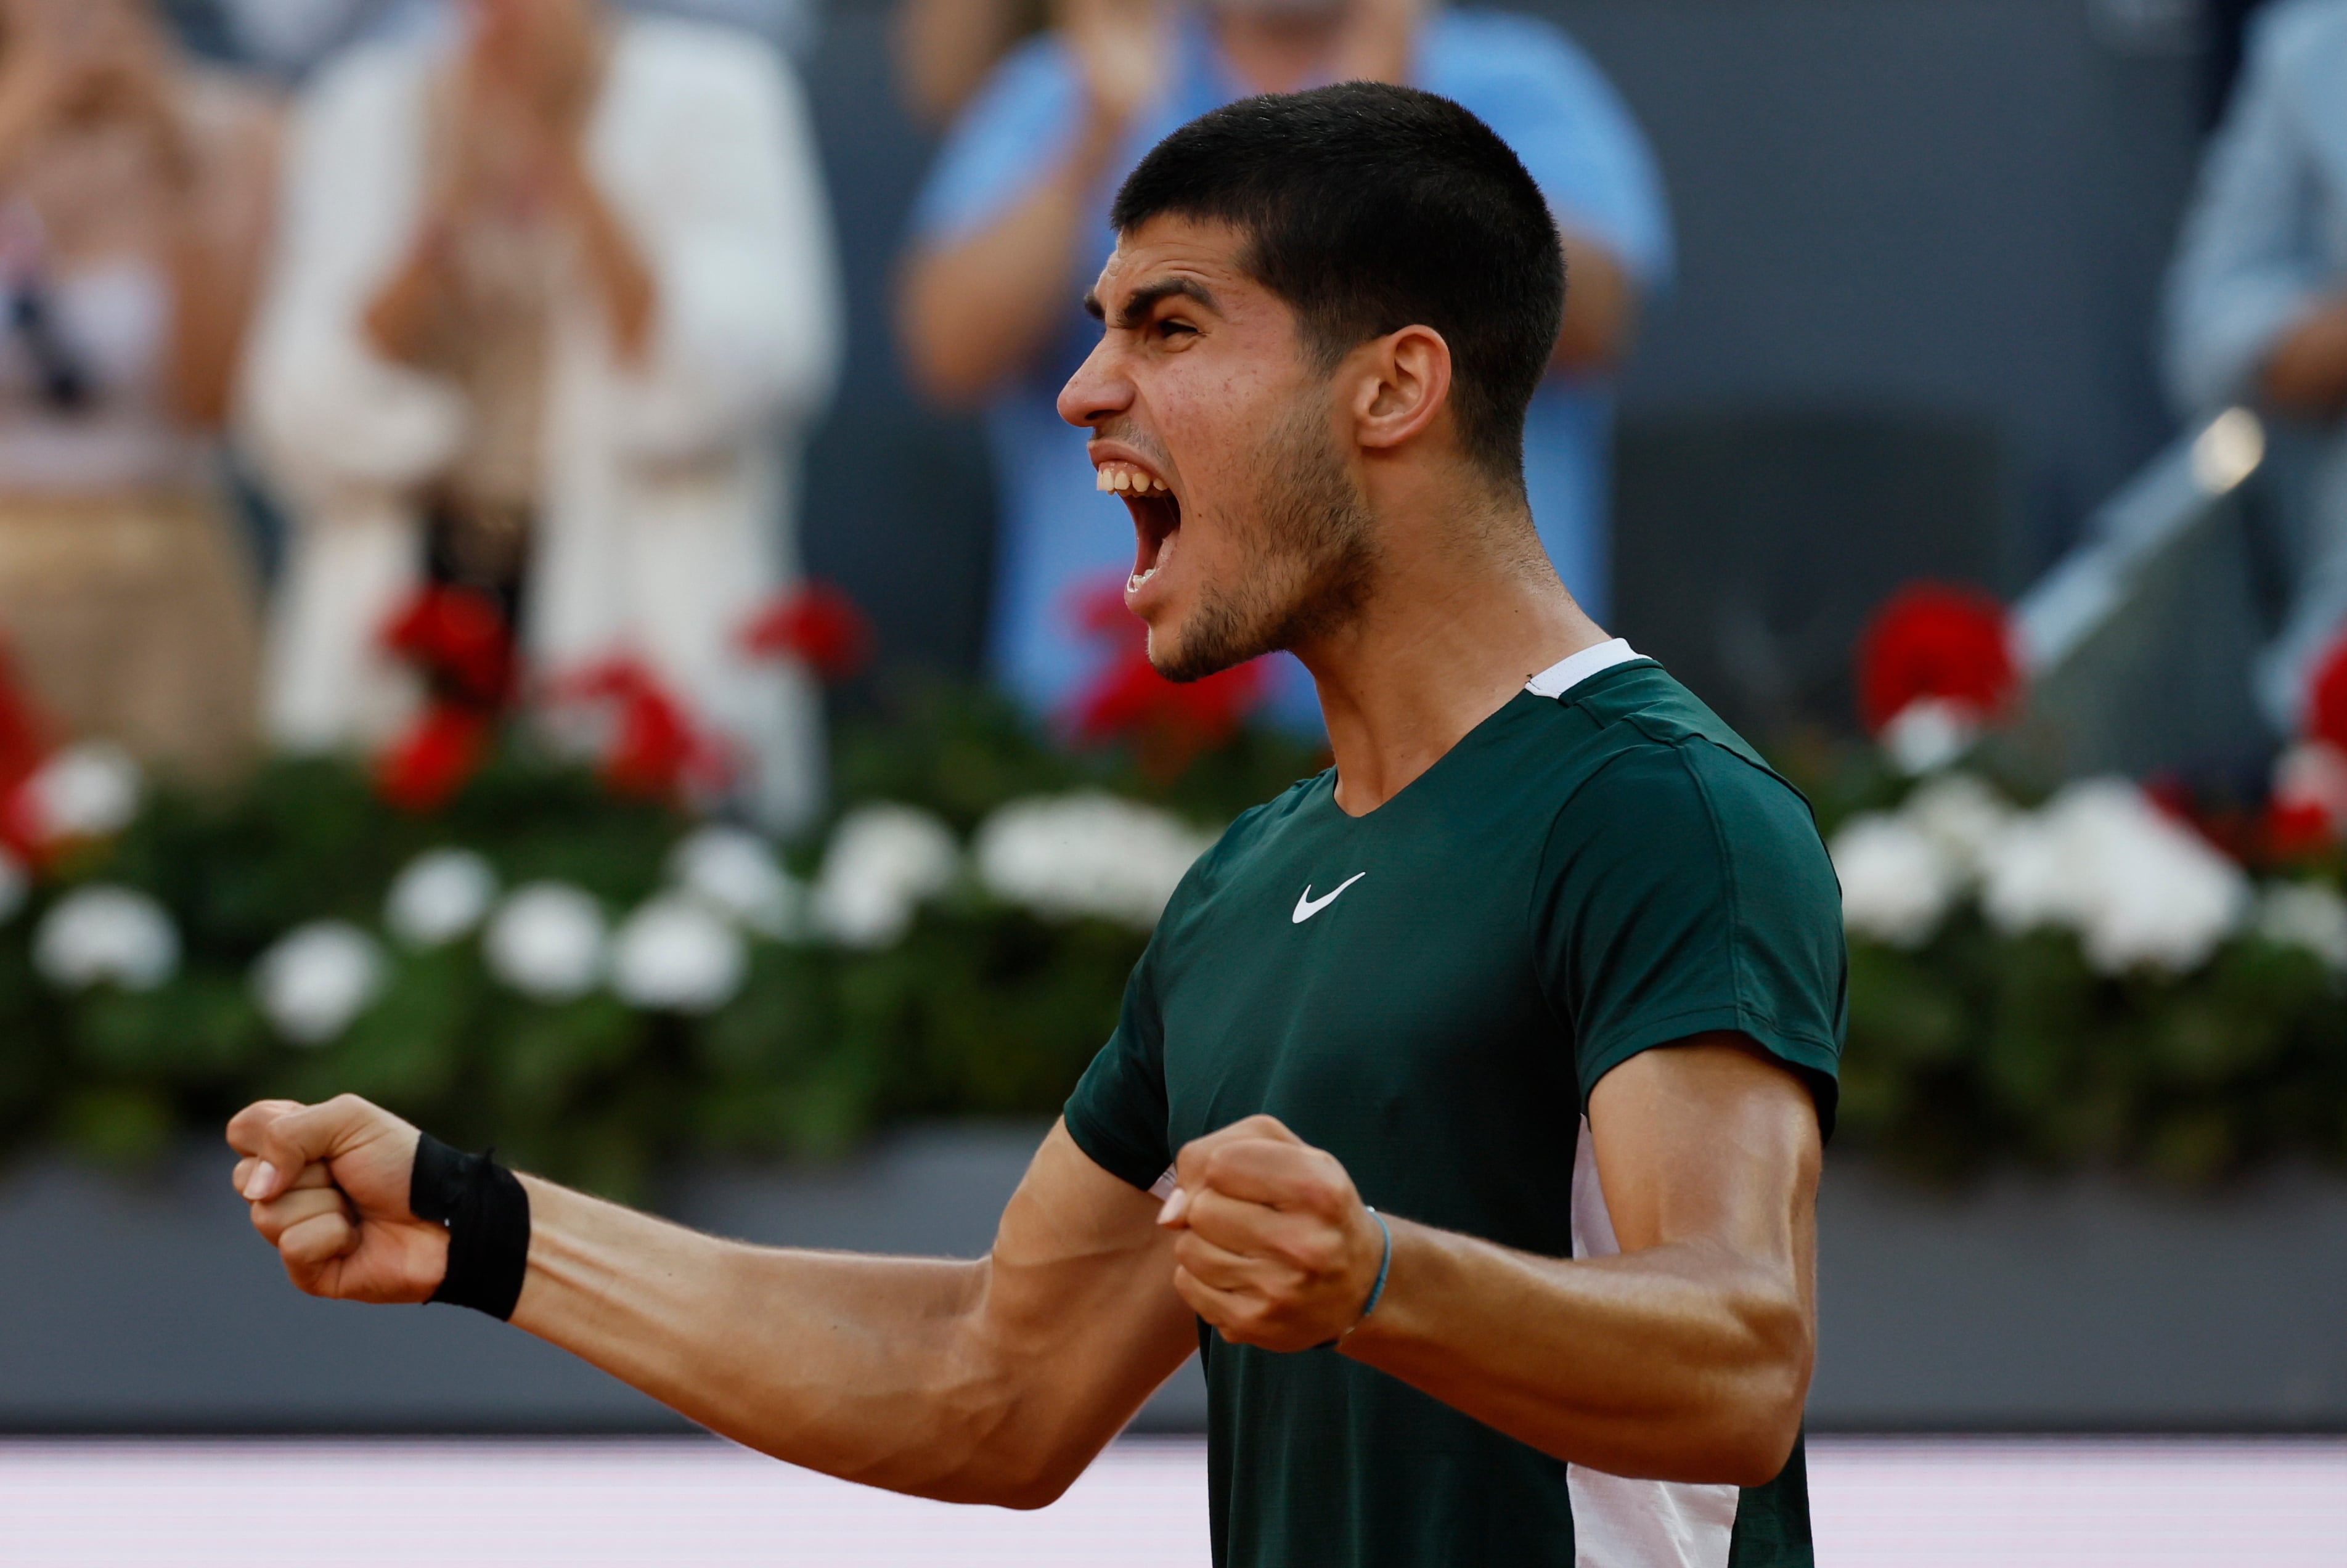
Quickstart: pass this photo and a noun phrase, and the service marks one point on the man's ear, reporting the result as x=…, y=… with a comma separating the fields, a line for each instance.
x=1402, y=385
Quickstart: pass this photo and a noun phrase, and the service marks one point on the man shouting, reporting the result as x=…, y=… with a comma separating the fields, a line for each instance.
x=1465, y=1111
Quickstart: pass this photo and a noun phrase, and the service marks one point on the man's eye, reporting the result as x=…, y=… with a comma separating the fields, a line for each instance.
x=1175, y=329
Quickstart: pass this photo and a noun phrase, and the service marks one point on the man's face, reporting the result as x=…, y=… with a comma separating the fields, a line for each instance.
x=1213, y=425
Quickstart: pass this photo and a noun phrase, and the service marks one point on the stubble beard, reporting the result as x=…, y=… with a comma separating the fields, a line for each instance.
x=1310, y=555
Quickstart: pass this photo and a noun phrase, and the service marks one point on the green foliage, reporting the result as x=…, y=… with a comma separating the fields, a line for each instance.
x=1978, y=1049
x=1973, y=1049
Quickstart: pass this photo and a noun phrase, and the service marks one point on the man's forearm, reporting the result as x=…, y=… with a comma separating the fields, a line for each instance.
x=863, y=1367
x=2307, y=372
x=1679, y=1363
x=1601, y=309
x=980, y=310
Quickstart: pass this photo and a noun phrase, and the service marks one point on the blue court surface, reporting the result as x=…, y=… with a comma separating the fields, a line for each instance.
x=1880, y=1504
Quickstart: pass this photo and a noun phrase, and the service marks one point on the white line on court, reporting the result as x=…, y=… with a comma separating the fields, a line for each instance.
x=1924, y=1503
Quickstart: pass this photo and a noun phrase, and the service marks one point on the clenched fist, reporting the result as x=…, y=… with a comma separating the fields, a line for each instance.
x=1277, y=1251
x=328, y=1185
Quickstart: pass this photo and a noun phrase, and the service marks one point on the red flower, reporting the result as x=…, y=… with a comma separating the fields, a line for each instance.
x=1169, y=725
x=24, y=747
x=427, y=766
x=654, y=752
x=460, y=639
x=2326, y=698
x=1931, y=641
x=818, y=624
x=2296, y=830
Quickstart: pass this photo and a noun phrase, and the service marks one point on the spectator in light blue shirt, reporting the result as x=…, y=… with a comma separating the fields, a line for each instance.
x=1013, y=227
x=2258, y=309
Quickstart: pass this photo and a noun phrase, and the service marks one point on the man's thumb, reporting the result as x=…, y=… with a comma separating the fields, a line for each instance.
x=299, y=1138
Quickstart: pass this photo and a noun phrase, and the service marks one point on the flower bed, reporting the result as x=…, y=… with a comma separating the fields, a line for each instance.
x=588, y=978
x=564, y=960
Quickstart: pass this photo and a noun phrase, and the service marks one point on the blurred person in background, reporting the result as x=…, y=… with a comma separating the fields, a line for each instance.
x=292, y=37
x=135, y=195
x=947, y=48
x=553, y=308
x=1016, y=214
x=2258, y=309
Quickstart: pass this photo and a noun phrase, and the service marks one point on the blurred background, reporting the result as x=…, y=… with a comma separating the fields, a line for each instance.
x=539, y=582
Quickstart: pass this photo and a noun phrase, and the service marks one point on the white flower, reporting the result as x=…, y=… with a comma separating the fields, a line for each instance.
x=1929, y=734
x=2306, y=914
x=1963, y=816
x=1897, y=882
x=87, y=791
x=547, y=941
x=16, y=885
x=317, y=979
x=102, y=933
x=733, y=870
x=441, y=895
x=677, y=953
x=882, y=862
x=2140, y=890
x=1069, y=855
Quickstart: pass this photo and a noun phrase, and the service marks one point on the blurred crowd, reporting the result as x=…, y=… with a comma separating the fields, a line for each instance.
x=2258, y=312
x=535, y=302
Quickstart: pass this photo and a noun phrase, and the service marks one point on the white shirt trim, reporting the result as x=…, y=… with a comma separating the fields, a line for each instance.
x=1566, y=673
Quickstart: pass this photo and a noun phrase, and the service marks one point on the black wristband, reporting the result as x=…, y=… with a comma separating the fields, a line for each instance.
x=487, y=1211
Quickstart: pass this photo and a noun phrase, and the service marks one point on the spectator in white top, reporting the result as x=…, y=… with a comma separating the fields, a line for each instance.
x=554, y=309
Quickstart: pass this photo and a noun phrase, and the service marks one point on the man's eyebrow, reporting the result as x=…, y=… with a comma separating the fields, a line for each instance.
x=1145, y=298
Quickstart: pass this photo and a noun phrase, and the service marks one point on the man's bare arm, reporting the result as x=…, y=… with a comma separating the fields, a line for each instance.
x=2307, y=372
x=993, y=1381
x=1601, y=308
x=976, y=310
x=1685, y=1358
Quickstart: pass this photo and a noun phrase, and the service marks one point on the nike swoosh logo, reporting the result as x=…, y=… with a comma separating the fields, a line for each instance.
x=1308, y=906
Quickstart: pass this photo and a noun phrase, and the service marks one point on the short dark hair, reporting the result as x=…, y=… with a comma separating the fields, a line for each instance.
x=1371, y=208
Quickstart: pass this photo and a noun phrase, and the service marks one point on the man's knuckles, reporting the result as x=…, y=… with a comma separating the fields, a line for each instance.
x=274, y=1218
x=318, y=1238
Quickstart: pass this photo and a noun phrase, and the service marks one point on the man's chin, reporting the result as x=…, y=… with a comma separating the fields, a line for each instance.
x=1187, y=659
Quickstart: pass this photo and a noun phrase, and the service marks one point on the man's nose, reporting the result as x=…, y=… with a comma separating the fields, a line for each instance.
x=1098, y=391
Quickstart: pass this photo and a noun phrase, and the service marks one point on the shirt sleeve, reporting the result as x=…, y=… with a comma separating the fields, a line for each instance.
x=1684, y=891
x=1004, y=144
x=1117, y=1114
x=1552, y=105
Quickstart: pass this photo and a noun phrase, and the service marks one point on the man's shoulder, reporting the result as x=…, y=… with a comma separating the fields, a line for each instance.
x=1039, y=71
x=1468, y=53
x=1645, y=748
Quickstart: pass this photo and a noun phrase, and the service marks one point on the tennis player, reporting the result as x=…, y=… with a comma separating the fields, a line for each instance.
x=1465, y=1110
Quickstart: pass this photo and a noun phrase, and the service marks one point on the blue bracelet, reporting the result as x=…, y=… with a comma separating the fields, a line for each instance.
x=1377, y=1291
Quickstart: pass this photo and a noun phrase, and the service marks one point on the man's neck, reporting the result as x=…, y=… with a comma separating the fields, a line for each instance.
x=1278, y=56
x=1445, y=639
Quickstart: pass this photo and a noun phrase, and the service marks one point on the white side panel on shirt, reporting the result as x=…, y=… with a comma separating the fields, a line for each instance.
x=1619, y=1524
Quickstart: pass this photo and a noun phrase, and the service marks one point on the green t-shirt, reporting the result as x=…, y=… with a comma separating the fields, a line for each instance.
x=1430, y=993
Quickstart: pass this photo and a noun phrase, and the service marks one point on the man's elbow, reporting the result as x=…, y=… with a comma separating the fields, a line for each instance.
x=943, y=356
x=1762, y=1422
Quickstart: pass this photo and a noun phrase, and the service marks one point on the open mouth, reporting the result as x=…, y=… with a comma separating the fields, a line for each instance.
x=1156, y=516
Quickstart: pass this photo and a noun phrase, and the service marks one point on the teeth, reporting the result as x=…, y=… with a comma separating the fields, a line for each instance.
x=1131, y=481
